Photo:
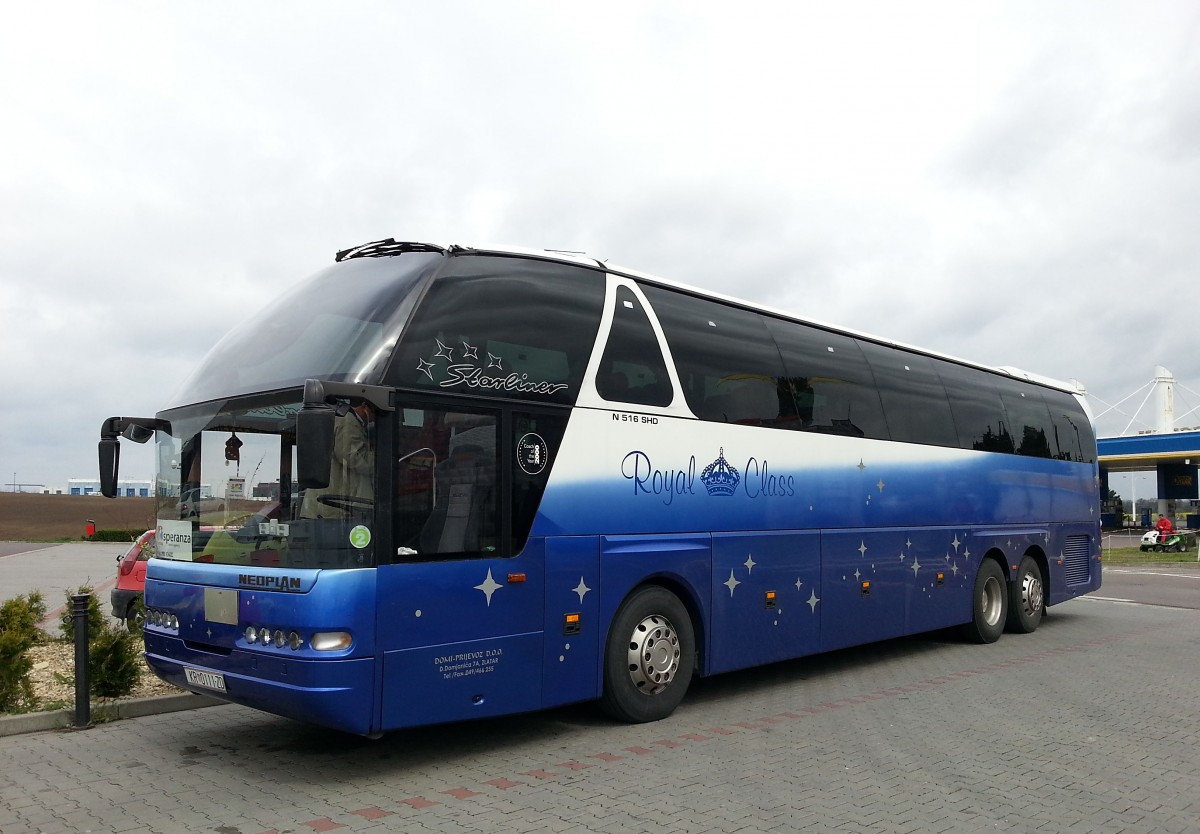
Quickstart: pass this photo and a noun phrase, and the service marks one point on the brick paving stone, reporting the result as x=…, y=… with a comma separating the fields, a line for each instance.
x=1078, y=723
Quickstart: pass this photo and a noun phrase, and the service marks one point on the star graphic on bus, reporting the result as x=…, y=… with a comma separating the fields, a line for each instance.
x=494, y=361
x=731, y=583
x=470, y=351
x=813, y=599
x=581, y=589
x=425, y=368
x=489, y=586
x=444, y=351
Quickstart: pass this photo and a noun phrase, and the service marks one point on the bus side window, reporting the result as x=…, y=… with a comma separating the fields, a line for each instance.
x=978, y=411
x=834, y=389
x=632, y=369
x=729, y=367
x=914, y=399
x=1028, y=417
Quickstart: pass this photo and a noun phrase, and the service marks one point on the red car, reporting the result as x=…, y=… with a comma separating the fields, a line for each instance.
x=126, y=597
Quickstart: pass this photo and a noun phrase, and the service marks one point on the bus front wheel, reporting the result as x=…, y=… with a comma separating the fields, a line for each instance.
x=649, y=657
x=989, y=607
x=1026, y=598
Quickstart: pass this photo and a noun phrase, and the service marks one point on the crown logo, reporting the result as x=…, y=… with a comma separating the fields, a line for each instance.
x=719, y=478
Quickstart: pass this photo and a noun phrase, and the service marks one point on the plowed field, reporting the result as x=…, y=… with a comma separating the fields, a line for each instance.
x=29, y=517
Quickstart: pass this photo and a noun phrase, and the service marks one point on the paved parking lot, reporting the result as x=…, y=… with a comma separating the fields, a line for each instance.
x=1089, y=725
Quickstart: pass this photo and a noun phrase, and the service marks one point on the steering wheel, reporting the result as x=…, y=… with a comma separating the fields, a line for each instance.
x=347, y=503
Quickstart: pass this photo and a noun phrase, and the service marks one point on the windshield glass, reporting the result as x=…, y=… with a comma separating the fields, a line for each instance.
x=341, y=325
x=225, y=490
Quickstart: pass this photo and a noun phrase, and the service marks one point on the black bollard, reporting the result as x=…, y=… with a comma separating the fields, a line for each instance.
x=83, y=700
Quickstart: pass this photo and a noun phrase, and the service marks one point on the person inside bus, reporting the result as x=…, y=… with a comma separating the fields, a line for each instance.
x=351, y=470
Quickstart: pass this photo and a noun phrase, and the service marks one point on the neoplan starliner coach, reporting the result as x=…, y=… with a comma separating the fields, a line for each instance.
x=461, y=482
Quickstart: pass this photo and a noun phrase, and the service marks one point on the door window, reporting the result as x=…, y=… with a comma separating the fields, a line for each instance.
x=447, y=494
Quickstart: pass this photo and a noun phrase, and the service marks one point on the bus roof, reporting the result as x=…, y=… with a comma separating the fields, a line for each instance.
x=582, y=259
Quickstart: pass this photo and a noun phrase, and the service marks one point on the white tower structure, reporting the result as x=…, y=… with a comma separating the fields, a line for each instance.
x=1164, y=386
x=1164, y=389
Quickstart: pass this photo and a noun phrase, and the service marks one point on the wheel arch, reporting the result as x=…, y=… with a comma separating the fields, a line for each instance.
x=997, y=555
x=1043, y=562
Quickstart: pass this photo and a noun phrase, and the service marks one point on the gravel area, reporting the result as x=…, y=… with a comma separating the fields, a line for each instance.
x=53, y=678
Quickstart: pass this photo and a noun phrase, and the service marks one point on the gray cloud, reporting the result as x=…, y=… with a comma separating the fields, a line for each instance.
x=1011, y=183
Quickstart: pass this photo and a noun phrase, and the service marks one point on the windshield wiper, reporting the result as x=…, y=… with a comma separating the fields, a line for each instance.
x=385, y=248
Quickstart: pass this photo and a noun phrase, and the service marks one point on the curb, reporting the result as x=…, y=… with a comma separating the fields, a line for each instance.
x=36, y=722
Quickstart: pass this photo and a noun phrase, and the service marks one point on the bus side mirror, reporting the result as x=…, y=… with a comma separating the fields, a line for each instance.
x=110, y=456
x=137, y=429
x=314, y=438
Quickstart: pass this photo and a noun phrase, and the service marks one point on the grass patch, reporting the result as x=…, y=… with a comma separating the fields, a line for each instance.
x=1134, y=556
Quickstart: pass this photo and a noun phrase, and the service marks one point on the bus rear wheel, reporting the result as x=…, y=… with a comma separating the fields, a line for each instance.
x=649, y=657
x=989, y=607
x=1027, y=598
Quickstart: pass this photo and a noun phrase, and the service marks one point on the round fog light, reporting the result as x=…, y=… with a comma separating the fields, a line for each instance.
x=280, y=640
x=264, y=636
x=294, y=641
x=251, y=634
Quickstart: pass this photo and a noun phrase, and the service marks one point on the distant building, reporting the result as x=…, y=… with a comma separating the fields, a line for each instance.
x=267, y=489
x=125, y=488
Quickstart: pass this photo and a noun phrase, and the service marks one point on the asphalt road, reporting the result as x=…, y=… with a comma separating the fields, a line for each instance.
x=1169, y=585
x=56, y=569
x=1086, y=725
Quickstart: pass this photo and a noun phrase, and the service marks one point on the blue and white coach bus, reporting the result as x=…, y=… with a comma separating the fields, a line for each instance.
x=449, y=483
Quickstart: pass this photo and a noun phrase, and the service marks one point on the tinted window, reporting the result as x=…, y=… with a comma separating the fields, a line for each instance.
x=503, y=327
x=978, y=413
x=914, y=399
x=1028, y=418
x=1073, y=433
x=337, y=325
x=447, y=493
x=832, y=383
x=729, y=367
x=632, y=369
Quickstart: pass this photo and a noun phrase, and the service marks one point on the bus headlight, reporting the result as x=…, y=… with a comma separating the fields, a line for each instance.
x=251, y=634
x=331, y=641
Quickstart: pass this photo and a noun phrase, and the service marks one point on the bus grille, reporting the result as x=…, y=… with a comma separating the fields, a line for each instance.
x=1077, y=553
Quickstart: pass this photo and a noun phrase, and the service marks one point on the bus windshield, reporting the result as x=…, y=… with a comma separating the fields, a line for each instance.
x=225, y=490
x=340, y=324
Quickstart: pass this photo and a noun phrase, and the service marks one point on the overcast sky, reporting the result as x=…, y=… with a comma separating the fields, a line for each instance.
x=1014, y=183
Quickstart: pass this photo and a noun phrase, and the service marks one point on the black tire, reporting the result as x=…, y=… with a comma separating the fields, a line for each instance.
x=135, y=616
x=989, y=605
x=1026, y=598
x=649, y=657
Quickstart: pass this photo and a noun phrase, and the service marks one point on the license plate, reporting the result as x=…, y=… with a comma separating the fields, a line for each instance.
x=209, y=680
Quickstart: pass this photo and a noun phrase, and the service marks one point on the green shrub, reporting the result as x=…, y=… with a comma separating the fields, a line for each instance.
x=113, y=663
x=96, y=619
x=19, y=619
x=16, y=690
x=23, y=615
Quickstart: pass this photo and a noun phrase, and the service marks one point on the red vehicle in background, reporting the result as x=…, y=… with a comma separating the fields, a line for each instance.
x=126, y=597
